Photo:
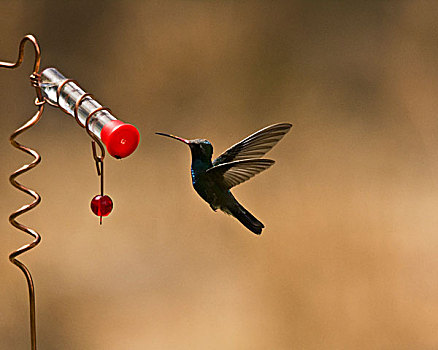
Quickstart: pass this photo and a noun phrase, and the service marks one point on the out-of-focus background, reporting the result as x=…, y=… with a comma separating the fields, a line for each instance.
x=349, y=256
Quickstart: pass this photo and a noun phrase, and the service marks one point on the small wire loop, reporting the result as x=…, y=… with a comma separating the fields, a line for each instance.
x=35, y=79
x=78, y=103
x=97, y=159
x=50, y=102
x=58, y=92
x=38, y=102
x=94, y=137
x=60, y=87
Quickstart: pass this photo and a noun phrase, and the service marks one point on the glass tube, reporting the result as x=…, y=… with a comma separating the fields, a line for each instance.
x=70, y=93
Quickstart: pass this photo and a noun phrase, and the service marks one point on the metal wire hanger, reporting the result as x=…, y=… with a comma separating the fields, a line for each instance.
x=121, y=140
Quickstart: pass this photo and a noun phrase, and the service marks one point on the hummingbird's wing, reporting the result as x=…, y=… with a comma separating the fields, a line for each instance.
x=234, y=173
x=255, y=145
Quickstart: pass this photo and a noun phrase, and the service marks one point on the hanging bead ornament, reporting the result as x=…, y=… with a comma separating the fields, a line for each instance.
x=102, y=205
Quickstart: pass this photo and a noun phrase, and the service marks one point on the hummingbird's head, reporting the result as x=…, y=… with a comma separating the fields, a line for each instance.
x=200, y=148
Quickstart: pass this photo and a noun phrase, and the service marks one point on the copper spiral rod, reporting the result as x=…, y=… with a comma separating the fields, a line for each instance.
x=22, y=210
x=25, y=208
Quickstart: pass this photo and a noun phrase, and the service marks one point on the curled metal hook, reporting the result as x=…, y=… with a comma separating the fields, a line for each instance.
x=25, y=208
x=97, y=158
x=36, y=63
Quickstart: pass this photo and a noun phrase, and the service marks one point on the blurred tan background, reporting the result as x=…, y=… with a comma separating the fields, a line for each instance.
x=349, y=256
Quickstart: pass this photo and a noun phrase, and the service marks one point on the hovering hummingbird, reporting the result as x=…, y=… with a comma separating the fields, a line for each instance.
x=214, y=179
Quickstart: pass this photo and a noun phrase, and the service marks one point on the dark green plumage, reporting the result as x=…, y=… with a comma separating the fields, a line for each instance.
x=213, y=180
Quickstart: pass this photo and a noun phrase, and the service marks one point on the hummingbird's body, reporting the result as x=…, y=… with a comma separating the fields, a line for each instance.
x=212, y=180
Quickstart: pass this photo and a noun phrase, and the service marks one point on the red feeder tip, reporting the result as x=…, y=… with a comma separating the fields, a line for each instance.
x=120, y=139
x=101, y=205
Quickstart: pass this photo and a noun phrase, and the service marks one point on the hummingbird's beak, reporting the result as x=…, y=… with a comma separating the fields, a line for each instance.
x=187, y=142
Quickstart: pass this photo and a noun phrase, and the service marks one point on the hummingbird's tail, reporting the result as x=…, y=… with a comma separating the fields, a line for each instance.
x=246, y=218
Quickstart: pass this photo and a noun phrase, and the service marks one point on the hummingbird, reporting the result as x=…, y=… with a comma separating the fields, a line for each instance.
x=213, y=180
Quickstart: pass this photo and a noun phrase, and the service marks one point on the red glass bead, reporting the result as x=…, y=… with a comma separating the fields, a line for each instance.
x=101, y=205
